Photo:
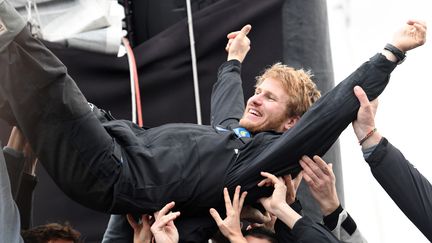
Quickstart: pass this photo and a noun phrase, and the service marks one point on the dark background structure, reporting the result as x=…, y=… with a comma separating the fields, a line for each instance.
x=291, y=31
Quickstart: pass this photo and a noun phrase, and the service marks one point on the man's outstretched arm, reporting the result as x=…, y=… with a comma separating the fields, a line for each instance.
x=408, y=188
x=322, y=124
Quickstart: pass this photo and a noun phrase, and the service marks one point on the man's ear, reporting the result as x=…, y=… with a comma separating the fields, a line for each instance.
x=290, y=122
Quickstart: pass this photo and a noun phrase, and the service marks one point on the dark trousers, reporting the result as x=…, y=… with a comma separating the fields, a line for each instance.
x=55, y=117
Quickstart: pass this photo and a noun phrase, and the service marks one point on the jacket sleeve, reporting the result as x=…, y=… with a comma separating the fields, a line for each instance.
x=24, y=200
x=408, y=188
x=227, y=100
x=319, y=127
x=343, y=227
x=22, y=185
x=15, y=168
x=304, y=231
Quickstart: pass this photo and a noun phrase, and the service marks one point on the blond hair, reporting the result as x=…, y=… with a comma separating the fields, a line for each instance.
x=302, y=91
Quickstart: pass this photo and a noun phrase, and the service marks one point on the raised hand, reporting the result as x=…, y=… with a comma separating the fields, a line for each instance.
x=238, y=44
x=230, y=226
x=254, y=215
x=410, y=36
x=276, y=204
x=142, y=233
x=163, y=228
x=292, y=186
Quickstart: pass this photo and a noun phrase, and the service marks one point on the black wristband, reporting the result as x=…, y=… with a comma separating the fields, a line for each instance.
x=400, y=55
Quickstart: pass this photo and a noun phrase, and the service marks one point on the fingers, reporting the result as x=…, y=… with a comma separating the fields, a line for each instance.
x=145, y=219
x=322, y=165
x=274, y=180
x=233, y=34
x=287, y=179
x=227, y=199
x=294, y=182
x=421, y=30
x=164, y=210
x=236, y=197
x=166, y=219
x=308, y=173
x=417, y=30
x=315, y=171
x=242, y=199
x=16, y=139
x=217, y=218
x=298, y=180
x=417, y=22
x=265, y=182
x=245, y=31
x=163, y=218
x=228, y=44
x=132, y=222
x=237, y=201
x=310, y=168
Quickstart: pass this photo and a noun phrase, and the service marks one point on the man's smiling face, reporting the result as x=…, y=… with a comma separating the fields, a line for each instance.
x=266, y=110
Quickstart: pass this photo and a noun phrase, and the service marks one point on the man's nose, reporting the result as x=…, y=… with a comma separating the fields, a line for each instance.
x=256, y=99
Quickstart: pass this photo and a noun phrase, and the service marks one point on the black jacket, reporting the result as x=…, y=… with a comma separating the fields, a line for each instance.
x=118, y=167
x=408, y=188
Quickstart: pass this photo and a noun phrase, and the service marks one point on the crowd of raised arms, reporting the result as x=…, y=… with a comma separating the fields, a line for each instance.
x=258, y=152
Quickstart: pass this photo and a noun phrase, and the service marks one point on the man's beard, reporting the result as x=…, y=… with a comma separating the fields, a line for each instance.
x=254, y=128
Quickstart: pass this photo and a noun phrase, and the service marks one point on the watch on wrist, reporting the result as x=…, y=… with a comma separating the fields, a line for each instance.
x=400, y=55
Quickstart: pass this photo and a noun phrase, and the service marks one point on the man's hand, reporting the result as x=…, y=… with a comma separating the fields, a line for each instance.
x=276, y=204
x=321, y=180
x=278, y=198
x=412, y=35
x=238, y=44
x=292, y=186
x=230, y=226
x=163, y=228
x=365, y=121
x=18, y=142
x=254, y=215
x=142, y=233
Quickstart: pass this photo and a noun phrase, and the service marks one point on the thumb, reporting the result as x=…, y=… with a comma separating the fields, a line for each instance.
x=361, y=96
x=246, y=29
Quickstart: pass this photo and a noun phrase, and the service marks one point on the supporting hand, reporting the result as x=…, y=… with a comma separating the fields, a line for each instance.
x=276, y=204
x=321, y=180
x=18, y=142
x=163, y=228
x=230, y=226
x=365, y=121
x=142, y=233
x=292, y=186
x=254, y=215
